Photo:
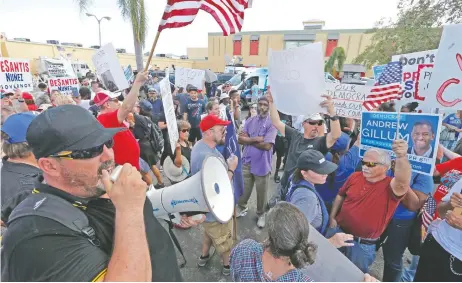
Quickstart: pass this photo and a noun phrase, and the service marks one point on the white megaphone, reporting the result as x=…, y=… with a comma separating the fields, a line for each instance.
x=209, y=190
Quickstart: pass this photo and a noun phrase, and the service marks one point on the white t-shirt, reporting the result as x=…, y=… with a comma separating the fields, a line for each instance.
x=85, y=104
x=447, y=236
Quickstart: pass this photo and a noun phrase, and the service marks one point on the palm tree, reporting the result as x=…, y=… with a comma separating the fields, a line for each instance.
x=134, y=11
x=338, y=55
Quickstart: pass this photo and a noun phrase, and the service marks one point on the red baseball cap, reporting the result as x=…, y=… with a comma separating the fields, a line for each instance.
x=101, y=98
x=27, y=95
x=210, y=121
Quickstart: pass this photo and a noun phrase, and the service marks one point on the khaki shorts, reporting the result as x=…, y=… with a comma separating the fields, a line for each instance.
x=220, y=234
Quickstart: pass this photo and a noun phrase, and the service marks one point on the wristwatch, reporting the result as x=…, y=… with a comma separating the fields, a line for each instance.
x=334, y=118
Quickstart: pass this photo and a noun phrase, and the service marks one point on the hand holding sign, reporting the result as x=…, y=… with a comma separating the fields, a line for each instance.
x=399, y=147
x=328, y=104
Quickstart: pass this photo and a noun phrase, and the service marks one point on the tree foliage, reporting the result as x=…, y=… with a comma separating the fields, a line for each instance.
x=417, y=28
x=338, y=56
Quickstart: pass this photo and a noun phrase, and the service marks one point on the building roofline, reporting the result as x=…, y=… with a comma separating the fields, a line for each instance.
x=296, y=31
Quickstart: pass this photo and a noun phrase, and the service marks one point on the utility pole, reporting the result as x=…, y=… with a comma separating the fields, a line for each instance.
x=99, y=24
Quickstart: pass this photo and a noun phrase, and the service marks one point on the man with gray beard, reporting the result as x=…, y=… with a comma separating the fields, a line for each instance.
x=123, y=240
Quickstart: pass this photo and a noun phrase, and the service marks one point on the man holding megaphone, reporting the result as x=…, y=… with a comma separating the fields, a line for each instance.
x=215, y=233
x=64, y=230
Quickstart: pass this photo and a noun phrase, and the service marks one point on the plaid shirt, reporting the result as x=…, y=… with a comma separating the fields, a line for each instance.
x=247, y=266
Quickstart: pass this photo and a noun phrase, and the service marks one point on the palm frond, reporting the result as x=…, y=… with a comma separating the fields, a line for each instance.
x=84, y=4
x=124, y=8
x=135, y=11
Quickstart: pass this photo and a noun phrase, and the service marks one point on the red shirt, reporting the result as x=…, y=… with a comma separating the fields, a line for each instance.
x=447, y=170
x=126, y=148
x=455, y=163
x=368, y=207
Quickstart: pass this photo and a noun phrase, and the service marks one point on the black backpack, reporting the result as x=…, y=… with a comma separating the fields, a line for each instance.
x=150, y=131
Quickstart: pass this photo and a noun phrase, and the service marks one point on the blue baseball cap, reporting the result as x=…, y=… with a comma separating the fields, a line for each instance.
x=342, y=143
x=145, y=105
x=16, y=126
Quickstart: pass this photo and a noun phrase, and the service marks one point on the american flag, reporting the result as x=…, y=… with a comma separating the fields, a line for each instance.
x=387, y=88
x=428, y=211
x=229, y=14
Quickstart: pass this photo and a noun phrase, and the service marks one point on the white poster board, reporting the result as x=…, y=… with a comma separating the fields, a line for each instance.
x=411, y=62
x=169, y=111
x=348, y=98
x=297, y=79
x=64, y=85
x=58, y=68
x=185, y=76
x=445, y=88
x=109, y=70
x=15, y=73
x=424, y=76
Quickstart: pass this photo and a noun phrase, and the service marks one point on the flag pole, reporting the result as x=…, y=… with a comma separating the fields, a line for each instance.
x=152, y=51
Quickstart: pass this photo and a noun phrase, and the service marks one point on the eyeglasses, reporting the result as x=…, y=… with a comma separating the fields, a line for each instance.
x=263, y=104
x=185, y=130
x=84, y=153
x=370, y=164
x=314, y=123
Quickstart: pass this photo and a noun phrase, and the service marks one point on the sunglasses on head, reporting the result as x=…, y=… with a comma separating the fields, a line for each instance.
x=84, y=153
x=185, y=130
x=314, y=123
x=370, y=164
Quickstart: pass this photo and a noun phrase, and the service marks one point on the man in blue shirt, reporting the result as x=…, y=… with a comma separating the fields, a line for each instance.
x=399, y=228
x=192, y=112
x=157, y=106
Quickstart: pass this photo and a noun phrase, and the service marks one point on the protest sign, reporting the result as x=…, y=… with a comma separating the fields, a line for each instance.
x=348, y=98
x=15, y=73
x=128, y=72
x=420, y=131
x=445, y=88
x=169, y=111
x=64, y=85
x=185, y=76
x=410, y=63
x=378, y=70
x=58, y=68
x=297, y=79
x=424, y=76
x=108, y=69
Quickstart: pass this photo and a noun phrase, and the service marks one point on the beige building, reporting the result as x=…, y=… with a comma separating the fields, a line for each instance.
x=197, y=53
x=252, y=47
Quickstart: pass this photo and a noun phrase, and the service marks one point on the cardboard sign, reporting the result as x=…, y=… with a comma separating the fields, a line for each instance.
x=64, y=85
x=58, y=68
x=15, y=73
x=109, y=70
x=420, y=131
x=445, y=89
x=348, y=98
x=169, y=110
x=378, y=70
x=410, y=63
x=297, y=79
x=185, y=76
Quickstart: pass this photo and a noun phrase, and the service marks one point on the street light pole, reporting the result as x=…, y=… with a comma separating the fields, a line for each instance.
x=99, y=24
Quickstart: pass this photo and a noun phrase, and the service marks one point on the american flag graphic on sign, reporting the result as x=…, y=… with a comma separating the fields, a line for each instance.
x=387, y=88
x=428, y=211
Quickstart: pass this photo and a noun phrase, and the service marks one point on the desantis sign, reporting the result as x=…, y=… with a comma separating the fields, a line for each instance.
x=15, y=73
x=64, y=85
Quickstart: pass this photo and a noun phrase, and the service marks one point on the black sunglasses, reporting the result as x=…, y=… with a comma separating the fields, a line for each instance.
x=84, y=153
x=314, y=123
x=185, y=130
x=370, y=164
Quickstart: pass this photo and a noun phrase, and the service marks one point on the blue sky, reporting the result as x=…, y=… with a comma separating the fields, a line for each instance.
x=40, y=20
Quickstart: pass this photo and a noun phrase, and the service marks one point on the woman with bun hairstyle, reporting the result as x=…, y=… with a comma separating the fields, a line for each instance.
x=282, y=255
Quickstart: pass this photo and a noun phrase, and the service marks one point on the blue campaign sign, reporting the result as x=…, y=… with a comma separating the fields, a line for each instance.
x=128, y=72
x=420, y=131
x=378, y=70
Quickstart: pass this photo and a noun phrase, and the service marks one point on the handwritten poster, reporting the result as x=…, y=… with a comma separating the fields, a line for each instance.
x=297, y=79
x=348, y=98
x=445, y=89
x=420, y=131
x=15, y=73
x=59, y=68
x=169, y=110
x=411, y=64
x=185, y=76
x=108, y=69
x=424, y=76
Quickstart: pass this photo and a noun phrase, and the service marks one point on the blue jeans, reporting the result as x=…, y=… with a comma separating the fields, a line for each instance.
x=360, y=254
x=398, y=233
x=409, y=272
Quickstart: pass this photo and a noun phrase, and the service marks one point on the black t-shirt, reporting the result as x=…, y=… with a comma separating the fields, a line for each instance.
x=297, y=145
x=18, y=181
x=40, y=249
